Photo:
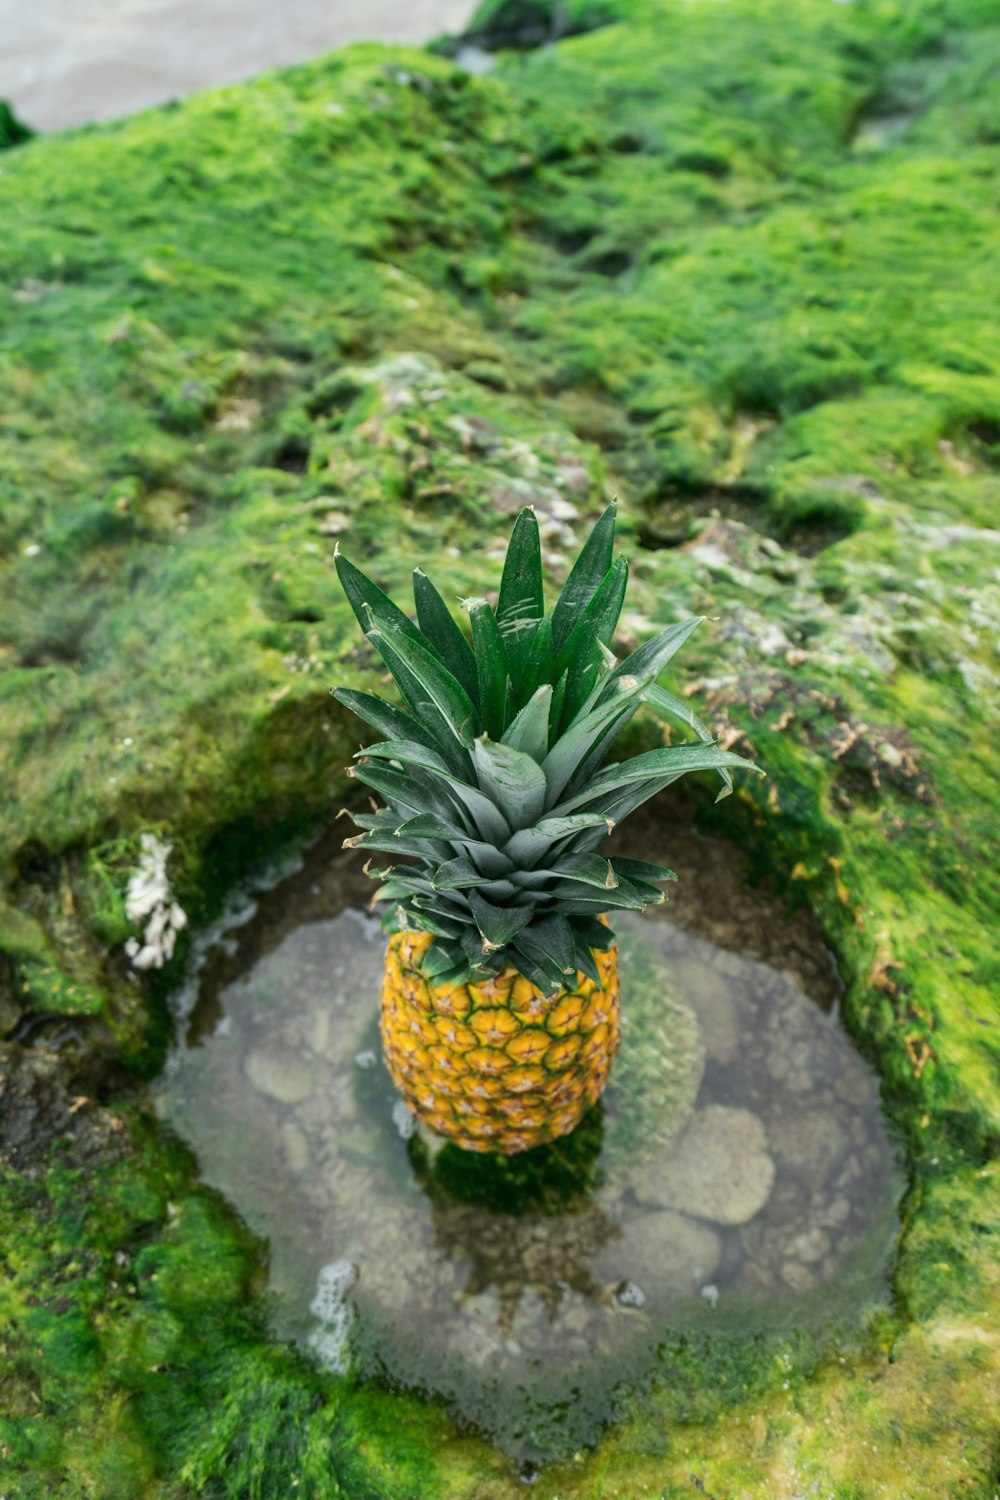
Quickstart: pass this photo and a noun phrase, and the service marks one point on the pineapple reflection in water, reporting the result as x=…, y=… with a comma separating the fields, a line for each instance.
x=500, y=1001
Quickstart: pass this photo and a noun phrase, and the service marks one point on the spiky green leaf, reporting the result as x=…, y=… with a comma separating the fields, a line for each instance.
x=435, y=698
x=536, y=966
x=671, y=762
x=549, y=940
x=647, y=662
x=462, y=875
x=491, y=666
x=407, y=753
x=497, y=924
x=430, y=826
x=641, y=869
x=486, y=818
x=539, y=666
x=408, y=791
x=426, y=921
x=586, y=577
x=529, y=730
x=364, y=595
x=588, y=869
x=457, y=874
x=442, y=959
x=530, y=845
x=492, y=862
x=595, y=934
x=566, y=755
x=442, y=632
x=514, y=781
x=387, y=720
x=584, y=957
x=582, y=655
x=521, y=604
x=479, y=811
x=595, y=758
x=384, y=842
x=673, y=708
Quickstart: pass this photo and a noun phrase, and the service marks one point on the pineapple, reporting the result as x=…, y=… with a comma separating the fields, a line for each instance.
x=500, y=1001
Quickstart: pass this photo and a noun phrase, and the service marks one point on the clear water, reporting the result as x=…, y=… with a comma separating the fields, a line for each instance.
x=737, y=1176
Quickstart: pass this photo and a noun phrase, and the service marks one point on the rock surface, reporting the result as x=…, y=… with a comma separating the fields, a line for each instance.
x=664, y=1254
x=280, y=1073
x=720, y=1170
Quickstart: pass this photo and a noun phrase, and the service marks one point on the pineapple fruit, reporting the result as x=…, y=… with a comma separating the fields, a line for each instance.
x=500, y=1002
x=501, y=1065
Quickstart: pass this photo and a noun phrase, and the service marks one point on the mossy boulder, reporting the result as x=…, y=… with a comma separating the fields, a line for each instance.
x=518, y=24
x=12, y=131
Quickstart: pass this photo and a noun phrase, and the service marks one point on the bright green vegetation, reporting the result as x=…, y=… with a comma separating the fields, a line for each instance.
x=496, y=775
x=734, y=263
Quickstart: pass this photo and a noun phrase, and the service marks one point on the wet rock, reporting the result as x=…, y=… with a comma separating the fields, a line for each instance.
x=710, y=993
x=330, y=1109
x=720, y=1169
x=280, y=1073
x=316, y=1030
x=42, y=1100
x=798, y=1276
x=798, y=1242
x=811, y=1246
x=853, y=1086
x=836, y=1213
x=547, y=1329
x=475, y=1327
x=789, y=1065
x=793, y=1045
x=296, y=1148
x=807, y=1140
x=664, y=1254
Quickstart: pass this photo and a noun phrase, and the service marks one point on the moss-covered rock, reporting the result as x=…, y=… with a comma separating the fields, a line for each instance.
x=12, y=131
x=519, y=24
x=735, y=262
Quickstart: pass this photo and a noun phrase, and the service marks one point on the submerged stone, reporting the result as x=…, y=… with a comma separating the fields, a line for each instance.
x=665, y=1254
x=720, y=1170
x=282, y=1074
x=801, y=1139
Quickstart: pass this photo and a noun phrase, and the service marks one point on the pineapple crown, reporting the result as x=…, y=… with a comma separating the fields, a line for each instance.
x=493, y=772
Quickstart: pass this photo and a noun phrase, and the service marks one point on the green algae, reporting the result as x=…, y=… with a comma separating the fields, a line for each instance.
x=733, y=260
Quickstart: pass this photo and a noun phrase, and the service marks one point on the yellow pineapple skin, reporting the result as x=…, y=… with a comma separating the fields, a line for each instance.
x=499, y=1066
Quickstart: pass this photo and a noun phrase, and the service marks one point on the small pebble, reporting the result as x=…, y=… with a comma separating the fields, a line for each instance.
x=630, y=1295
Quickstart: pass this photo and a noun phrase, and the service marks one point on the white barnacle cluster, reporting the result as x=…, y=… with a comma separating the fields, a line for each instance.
x=404, y=1121
x=331, y=1340
x=149, y=899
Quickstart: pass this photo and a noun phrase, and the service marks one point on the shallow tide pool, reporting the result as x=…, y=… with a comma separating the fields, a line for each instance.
x=735, y=1180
